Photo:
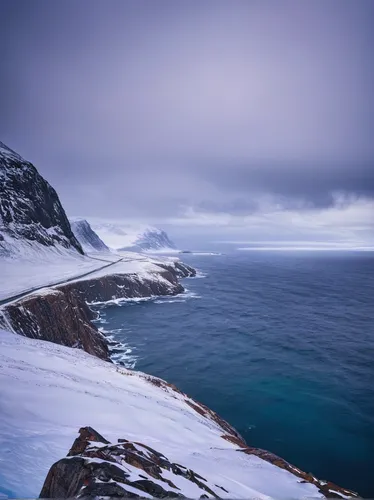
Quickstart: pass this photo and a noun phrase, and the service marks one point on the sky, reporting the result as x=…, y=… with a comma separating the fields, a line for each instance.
x=235, y=119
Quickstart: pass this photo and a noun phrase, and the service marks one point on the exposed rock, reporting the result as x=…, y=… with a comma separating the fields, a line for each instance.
x=117, y=286
x=327, y=488
x=85, y=434
x=96, y=467
x=30, y=208
x=61, y=314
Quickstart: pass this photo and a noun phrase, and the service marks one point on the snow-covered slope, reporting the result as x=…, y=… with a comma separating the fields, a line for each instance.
x=49, y=391
x=122, y=236
x=45, y=267
x=31, y=215
x=87, y=237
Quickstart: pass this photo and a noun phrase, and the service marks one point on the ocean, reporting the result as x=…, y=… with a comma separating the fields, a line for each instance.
x=280, y=344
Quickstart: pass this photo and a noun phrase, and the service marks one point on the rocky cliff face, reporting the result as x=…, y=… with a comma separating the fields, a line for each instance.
x=129, y=469
x=57, y=315
x=127, y=286
x=30, y=209
x=87, y=237
x=31, y=215
x=61, y=314
x=97, y=468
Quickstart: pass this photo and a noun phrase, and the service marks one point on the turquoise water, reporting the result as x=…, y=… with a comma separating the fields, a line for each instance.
x=280, y=345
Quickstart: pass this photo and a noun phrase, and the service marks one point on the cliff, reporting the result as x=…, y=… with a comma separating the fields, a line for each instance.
x=57, y=315
x=30, y=210
x=34, y=228
x=61, y=315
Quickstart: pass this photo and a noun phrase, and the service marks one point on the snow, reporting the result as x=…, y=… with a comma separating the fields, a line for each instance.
x=119, y=236
x=123, y=235
x=49, y=391
x=39, y=266
x=7, y=153
x=340, y=494
x=131, y=263
x=47, y=266
x=87, y=237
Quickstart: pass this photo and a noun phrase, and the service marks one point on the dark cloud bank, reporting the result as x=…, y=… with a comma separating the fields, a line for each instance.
x=209, y=113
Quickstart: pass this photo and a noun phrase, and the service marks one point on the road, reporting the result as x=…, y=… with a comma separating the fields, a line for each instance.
x=61, y=282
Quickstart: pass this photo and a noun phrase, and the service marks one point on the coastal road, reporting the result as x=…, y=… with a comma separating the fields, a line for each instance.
x=61, y=282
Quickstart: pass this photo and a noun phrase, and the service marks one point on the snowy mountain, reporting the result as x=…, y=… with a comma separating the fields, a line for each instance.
x=31, y=215
x=168, y=441
x=87, y=237
x=122, y=236
x=153, y=238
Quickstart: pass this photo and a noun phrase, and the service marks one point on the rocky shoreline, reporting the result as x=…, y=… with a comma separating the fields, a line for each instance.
x=62, y=315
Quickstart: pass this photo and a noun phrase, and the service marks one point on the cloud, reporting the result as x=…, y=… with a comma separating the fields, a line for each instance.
x=139, y=109
x=349, y=220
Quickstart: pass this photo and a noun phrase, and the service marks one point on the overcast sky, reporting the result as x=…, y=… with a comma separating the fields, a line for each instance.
x=248, y=117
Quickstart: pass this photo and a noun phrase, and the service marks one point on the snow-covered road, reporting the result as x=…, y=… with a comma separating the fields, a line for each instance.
x=61, y=282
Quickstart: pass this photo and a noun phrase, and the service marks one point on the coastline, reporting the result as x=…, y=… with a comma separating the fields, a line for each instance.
x=63, y=316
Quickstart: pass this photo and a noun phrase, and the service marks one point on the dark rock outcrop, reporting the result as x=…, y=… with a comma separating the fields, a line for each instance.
x=30, y=208
x=61, y=314
x=96, y=468
x=31, y=212
x=128, y=469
